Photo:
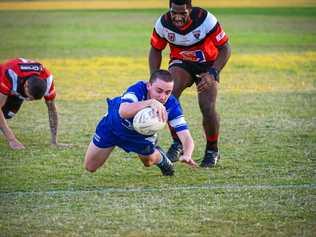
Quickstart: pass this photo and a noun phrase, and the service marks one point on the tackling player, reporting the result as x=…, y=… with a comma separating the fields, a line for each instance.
x=199, y=50
x=20, y=80
x=116, y=127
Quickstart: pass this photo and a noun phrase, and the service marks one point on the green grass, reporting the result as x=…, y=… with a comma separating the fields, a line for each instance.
x=59, y=34
x=265, y=183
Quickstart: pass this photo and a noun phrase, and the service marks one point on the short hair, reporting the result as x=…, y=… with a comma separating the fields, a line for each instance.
x=36, y=87
x=163, y=75
x=180, y=2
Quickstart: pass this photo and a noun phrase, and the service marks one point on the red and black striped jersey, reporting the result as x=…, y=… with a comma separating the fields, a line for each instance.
x=14, y=73
x=197, y=41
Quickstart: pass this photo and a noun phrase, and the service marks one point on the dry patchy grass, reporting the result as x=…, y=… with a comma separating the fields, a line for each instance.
x=98, y=77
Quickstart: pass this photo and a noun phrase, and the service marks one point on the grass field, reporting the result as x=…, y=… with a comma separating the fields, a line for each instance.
x=263, y=186
x=138, y=4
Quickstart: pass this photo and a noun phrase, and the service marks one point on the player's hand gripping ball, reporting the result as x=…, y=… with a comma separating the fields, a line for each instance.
x=146, y=122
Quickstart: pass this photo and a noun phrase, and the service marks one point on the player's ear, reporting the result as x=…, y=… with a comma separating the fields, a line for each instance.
x=148, y=85
x=26, y=86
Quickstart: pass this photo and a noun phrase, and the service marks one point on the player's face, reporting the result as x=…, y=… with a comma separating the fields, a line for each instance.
x=160, y=90
x=180, y=14
x=27, y=93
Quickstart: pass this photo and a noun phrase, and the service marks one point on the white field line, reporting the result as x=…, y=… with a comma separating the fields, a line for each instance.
x=176, y=188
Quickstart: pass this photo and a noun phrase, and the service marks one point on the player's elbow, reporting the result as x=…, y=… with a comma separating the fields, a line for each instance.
x=123, y=111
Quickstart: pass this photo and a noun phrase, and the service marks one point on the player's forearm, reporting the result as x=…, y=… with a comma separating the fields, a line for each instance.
x=188, y=147
x=187, y=142
x=154, y=59
x=223, y=57
x=5, y=129
x=53, y=120
x=128, y=110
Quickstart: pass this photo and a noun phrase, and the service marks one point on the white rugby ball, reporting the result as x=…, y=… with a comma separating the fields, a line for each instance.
x=146, y=122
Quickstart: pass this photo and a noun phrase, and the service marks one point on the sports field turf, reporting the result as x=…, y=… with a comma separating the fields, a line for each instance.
x=263, y=186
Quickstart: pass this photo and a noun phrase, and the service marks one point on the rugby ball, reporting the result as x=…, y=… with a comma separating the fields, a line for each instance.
x=146, y=122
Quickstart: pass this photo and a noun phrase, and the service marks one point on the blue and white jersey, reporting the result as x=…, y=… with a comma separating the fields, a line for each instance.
x=135, y=93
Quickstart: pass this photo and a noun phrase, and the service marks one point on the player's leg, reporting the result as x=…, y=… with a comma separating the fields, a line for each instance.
x=149, y=153
x=101, y=146
x=182, y=80
x=95, y=157
x=12, y=106
x=211, y=124
x=159, y=158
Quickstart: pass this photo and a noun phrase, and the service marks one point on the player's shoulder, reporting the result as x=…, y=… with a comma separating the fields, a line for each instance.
x=203, y=17
x=137, y=91
x=172, y=102
x=139, y=85
x=11, y=63
x=198, y=14
x=22, y=65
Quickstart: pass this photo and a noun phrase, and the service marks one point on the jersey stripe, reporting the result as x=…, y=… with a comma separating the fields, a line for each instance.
x=130, y=96
x=49, y=84
x=14, y=78
x=177, y=122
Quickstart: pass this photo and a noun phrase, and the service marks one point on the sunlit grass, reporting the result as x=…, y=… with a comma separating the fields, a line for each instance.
x=99, y=77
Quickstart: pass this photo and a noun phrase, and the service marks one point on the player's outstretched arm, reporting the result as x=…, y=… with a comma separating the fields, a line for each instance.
x=154, y=59
x=14, y=143
x=53, y=123
x=53, y=120
x=188, y=147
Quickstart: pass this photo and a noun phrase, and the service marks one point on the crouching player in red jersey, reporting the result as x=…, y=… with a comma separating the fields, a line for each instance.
x=20, y=80
x=199, y=50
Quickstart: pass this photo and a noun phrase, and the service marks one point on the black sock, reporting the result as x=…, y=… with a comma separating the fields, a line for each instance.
x=212, y=146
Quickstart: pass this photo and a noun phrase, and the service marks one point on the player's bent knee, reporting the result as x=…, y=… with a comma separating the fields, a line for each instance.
x=147, y=164
x=148, y=161
x=90, y=167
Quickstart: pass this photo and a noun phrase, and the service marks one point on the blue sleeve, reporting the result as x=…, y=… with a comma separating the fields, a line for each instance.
x=175, y=115
x=135, y=93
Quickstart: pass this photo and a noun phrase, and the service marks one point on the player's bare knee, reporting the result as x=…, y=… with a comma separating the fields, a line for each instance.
x=91, y=169
x=89, y=166
x=147, y=164
x=148, y=161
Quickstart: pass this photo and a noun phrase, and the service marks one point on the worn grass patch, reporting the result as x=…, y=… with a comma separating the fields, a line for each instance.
x=245, y=74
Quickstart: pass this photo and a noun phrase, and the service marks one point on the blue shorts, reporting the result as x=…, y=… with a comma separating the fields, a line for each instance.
x=105, y=137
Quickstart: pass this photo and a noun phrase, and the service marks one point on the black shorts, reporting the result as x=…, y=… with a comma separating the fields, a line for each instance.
x=12, y=106
x=191, y=67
